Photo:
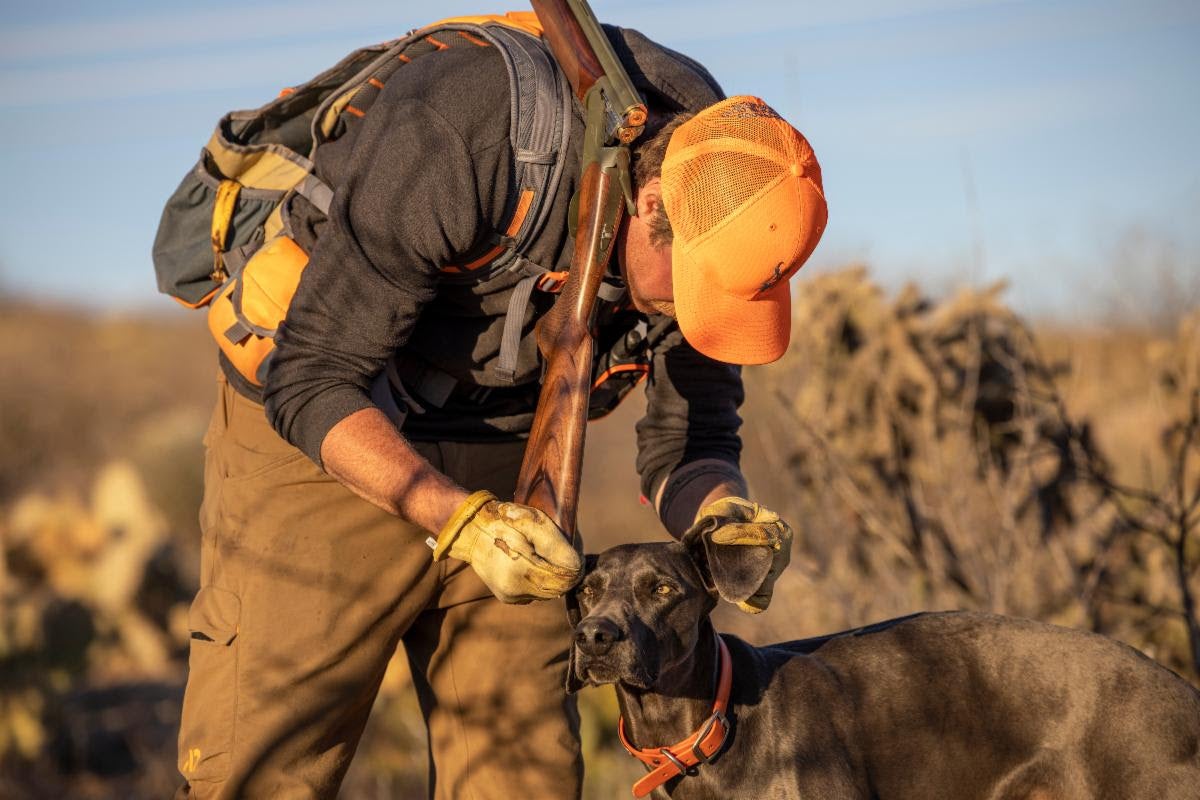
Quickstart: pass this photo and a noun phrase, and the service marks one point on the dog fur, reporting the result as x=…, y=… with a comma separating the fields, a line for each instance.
x=935, y=706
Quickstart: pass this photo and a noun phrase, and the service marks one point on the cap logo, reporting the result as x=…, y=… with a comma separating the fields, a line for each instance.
x=774, y=279
x=748, y=109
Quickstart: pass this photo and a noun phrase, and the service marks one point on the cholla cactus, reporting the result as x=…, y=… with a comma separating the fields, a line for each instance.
x=70, y=603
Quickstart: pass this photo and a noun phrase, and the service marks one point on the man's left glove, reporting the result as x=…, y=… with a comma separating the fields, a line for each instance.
x=516, y=550
x=739, y=521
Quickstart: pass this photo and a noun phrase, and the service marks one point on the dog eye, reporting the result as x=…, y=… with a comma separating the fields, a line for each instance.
x=663, y=588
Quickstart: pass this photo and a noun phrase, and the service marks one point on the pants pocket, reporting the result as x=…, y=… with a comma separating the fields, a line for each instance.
x=206, y=732
x=250, y=447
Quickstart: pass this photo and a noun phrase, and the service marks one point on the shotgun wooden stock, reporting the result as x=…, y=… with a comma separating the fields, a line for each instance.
x=574, y=54
x=550, y=473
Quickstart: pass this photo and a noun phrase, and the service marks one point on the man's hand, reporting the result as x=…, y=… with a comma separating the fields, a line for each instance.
x=740, y=521
x=518, y=551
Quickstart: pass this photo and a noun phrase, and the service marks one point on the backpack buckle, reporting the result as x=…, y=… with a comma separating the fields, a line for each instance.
x=552, y=282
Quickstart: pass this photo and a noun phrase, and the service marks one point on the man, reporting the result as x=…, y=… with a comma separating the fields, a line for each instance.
x=317, y=509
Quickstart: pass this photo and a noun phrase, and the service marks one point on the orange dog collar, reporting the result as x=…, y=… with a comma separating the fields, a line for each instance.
x=665, y=763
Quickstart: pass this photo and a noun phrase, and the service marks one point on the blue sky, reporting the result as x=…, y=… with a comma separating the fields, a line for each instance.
x=961, y=140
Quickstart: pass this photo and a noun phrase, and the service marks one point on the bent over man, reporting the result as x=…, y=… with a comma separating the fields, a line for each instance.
x=393, y=410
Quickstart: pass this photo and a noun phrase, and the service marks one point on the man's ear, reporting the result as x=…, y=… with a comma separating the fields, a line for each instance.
x=733, y=571
x=574, y=617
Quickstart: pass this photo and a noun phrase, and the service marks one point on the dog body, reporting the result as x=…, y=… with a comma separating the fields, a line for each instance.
x=960, y=706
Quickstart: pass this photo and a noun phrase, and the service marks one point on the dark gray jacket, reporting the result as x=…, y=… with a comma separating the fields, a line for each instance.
x=421, y=183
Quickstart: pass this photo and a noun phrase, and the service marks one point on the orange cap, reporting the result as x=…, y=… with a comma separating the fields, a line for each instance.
x=742, y=189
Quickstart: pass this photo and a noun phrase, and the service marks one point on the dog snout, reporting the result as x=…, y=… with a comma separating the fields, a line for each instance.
x=595, y=637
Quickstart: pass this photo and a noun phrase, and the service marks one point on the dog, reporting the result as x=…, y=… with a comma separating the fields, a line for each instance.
x=933, y=706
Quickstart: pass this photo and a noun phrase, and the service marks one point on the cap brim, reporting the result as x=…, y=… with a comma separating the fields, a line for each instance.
x=725, y=327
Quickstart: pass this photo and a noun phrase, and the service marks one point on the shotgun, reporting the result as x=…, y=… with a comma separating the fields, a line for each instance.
x=615, y=116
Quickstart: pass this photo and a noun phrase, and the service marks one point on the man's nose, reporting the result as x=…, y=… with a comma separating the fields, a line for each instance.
x=595, y=637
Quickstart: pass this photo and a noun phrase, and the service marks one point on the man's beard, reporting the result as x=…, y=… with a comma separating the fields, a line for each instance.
x=663, y=307
x=641, y=302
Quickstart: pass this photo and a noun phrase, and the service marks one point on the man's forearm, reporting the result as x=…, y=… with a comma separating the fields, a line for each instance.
x=366, y=453
x=692, y=487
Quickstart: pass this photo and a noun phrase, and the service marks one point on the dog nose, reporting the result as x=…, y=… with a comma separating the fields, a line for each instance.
x=595, y=637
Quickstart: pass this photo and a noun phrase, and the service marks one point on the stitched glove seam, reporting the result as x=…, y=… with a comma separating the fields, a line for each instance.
x=458, y=522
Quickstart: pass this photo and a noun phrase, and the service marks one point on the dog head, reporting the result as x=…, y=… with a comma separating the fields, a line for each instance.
x=639, y=609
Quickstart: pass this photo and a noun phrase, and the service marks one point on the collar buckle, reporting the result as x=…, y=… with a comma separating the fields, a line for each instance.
x=697, y=752
x=679, y=765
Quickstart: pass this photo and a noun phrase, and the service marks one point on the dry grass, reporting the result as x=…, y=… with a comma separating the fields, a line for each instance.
x=931, y=455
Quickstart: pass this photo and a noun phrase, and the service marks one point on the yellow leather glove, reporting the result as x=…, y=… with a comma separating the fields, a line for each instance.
x=518, y=551
x=740, y=521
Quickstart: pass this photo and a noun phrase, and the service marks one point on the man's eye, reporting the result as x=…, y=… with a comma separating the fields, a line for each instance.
x=663, y=588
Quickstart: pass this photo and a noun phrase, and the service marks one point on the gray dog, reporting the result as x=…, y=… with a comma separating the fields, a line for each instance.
x=939, y=706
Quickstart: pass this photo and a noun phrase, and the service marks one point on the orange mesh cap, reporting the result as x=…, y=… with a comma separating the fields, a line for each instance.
x=742, y=189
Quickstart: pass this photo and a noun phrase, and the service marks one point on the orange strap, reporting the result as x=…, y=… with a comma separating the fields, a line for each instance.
x=667, y=762
x=524, y=202
x=644, y=369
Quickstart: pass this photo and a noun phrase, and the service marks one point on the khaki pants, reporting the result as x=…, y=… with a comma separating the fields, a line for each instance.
x=306, y=590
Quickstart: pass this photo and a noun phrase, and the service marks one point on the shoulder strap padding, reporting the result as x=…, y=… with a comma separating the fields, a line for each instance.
x=540, y=125
x=540, y=105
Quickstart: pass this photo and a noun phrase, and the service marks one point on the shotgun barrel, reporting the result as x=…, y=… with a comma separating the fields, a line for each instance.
x=587, y=58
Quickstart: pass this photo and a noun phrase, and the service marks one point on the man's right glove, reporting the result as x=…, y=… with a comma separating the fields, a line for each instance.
x=517, y=550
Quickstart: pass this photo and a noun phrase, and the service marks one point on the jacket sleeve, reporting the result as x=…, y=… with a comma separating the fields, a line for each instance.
x=691, y=412
x=406, y=205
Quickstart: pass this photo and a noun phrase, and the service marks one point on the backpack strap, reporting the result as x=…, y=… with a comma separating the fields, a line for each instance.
x=317, y=192
x=514, y=321
x=540, y=117
x=540, y=107
x=541, y=104
x=540, y=128
x=611, y=290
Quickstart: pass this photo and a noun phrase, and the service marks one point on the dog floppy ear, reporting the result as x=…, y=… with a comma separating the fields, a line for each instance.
x=574, y=617
x=732, y=568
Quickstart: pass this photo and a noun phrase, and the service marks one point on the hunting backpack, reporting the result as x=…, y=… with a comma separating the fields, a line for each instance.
x=223, y=240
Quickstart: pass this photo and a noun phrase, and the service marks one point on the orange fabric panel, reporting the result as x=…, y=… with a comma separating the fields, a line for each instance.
x=520, y=20
x=245, y=355
x=522, y=210
x=477, y=263
x=267, y=282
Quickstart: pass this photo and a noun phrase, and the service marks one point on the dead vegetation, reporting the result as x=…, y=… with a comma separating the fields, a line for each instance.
x=931, y=461
x=930, y=454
